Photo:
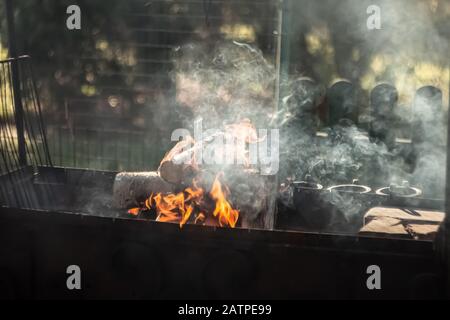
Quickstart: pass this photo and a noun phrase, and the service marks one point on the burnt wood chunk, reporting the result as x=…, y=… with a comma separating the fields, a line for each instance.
x=253, y=194
x=130, y=188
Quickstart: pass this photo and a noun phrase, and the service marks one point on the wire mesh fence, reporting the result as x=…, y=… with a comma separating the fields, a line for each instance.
x=113, y=122
x=22, y=131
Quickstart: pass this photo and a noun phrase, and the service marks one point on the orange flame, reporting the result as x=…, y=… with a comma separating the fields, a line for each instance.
x=134, y=211
x=223, y=211
x=181, y=206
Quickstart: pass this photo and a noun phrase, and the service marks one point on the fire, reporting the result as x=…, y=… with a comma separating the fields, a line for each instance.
x=223, y=211
x=193, y=202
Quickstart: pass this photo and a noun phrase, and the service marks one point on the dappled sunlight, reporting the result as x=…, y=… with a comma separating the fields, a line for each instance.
x=238, y=31
x=3, y=51
x=407, y=74
x=379, y=64
x=111, y=51
x=88, y=90
x=5, y=89
x=318, y=42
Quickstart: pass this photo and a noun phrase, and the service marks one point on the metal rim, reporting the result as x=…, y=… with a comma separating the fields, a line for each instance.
x=364, y=189
x=386, y=192
x=307, y=185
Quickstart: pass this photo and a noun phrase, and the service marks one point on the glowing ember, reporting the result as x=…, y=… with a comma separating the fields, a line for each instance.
x=134, y=211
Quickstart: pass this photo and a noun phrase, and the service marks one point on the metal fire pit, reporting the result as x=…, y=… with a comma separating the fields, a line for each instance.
x=122, y=257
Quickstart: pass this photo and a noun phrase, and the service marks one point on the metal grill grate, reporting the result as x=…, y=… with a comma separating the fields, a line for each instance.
x=23, y=143
x=23, y=138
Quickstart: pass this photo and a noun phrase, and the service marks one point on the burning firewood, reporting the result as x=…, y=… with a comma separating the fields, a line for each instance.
x=188, y=191
x=237, y=198
x=195, y=205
